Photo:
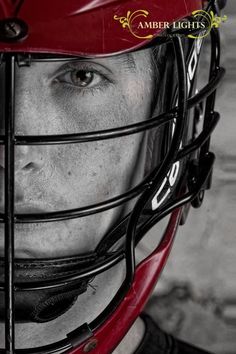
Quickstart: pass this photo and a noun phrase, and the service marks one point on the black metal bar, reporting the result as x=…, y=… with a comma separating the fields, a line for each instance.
x=91, y=271
x=9, y=205
x=214, y=69
x=208, y=89
x=183, y=200
x=96, y=135
x=201, y=139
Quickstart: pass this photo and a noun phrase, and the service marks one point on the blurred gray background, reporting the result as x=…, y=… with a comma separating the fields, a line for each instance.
x=196, y=297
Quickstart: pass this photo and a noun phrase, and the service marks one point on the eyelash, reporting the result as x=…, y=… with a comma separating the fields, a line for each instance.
x=105, y=81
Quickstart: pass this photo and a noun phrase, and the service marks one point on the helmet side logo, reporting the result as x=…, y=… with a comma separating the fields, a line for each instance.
x=210, y=20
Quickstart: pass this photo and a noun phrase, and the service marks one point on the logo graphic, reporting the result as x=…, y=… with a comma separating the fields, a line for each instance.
x=201, y=21
x=130, y=18
x=210, y=19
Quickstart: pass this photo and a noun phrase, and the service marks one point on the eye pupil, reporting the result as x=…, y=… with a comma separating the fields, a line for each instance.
x=82, y=78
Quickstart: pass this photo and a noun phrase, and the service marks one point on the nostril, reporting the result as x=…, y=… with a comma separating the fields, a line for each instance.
x=28, y=159
x=29, y=166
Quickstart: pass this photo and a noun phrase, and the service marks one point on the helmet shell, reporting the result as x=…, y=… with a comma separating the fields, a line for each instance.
x=86, y=27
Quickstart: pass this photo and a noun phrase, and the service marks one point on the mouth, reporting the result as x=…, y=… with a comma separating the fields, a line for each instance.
x=29, y=209
x=20, y=253
x=23, y=230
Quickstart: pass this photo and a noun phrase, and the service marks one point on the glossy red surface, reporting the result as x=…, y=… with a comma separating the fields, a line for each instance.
x=147, y=273
x=87, y=27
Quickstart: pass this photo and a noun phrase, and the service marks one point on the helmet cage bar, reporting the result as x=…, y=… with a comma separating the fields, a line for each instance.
x=214, y=67
x=156, y=178
x=9, y=206
x=93, y=136
x=97, y=135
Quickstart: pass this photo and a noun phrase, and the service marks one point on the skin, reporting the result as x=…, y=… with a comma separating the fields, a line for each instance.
x=69, y=97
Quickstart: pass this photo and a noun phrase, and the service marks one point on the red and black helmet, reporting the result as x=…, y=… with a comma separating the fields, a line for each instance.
x=59, y=30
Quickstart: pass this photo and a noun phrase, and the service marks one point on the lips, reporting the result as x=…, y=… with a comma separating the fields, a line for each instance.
x=23, y=209
x=31, y=208
x=28, y=240
x=24, y=241
x=20, y=253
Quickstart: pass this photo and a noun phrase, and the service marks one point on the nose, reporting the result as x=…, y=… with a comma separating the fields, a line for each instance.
x=27, y=120
x=28, y=162
x=27, y=158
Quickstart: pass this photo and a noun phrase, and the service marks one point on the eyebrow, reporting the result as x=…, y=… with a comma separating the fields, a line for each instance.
x=128, y=60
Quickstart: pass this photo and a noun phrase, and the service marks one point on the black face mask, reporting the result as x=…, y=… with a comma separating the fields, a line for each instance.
x=46, y=304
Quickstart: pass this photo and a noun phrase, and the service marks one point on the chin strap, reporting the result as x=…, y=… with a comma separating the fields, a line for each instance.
x=46, y=304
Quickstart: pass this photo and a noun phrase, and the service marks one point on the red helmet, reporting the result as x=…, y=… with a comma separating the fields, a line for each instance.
x=42, y=31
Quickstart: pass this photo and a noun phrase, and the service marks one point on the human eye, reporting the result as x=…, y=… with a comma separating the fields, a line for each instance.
x=83, y=76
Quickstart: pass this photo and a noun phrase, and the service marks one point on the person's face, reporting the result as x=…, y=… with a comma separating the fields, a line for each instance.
x=70, y=97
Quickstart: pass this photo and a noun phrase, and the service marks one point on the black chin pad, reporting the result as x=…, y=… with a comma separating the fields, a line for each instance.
x=43, y=305
x=47, y=304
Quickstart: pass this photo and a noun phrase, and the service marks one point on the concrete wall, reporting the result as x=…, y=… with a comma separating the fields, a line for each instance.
x=231, y=7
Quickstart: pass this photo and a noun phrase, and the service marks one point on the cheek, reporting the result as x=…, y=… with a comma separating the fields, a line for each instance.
x=95, y=171
x=96, y=113
x=92, y=172
x=138, y=97
x=88, y=172
x=119, y=105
